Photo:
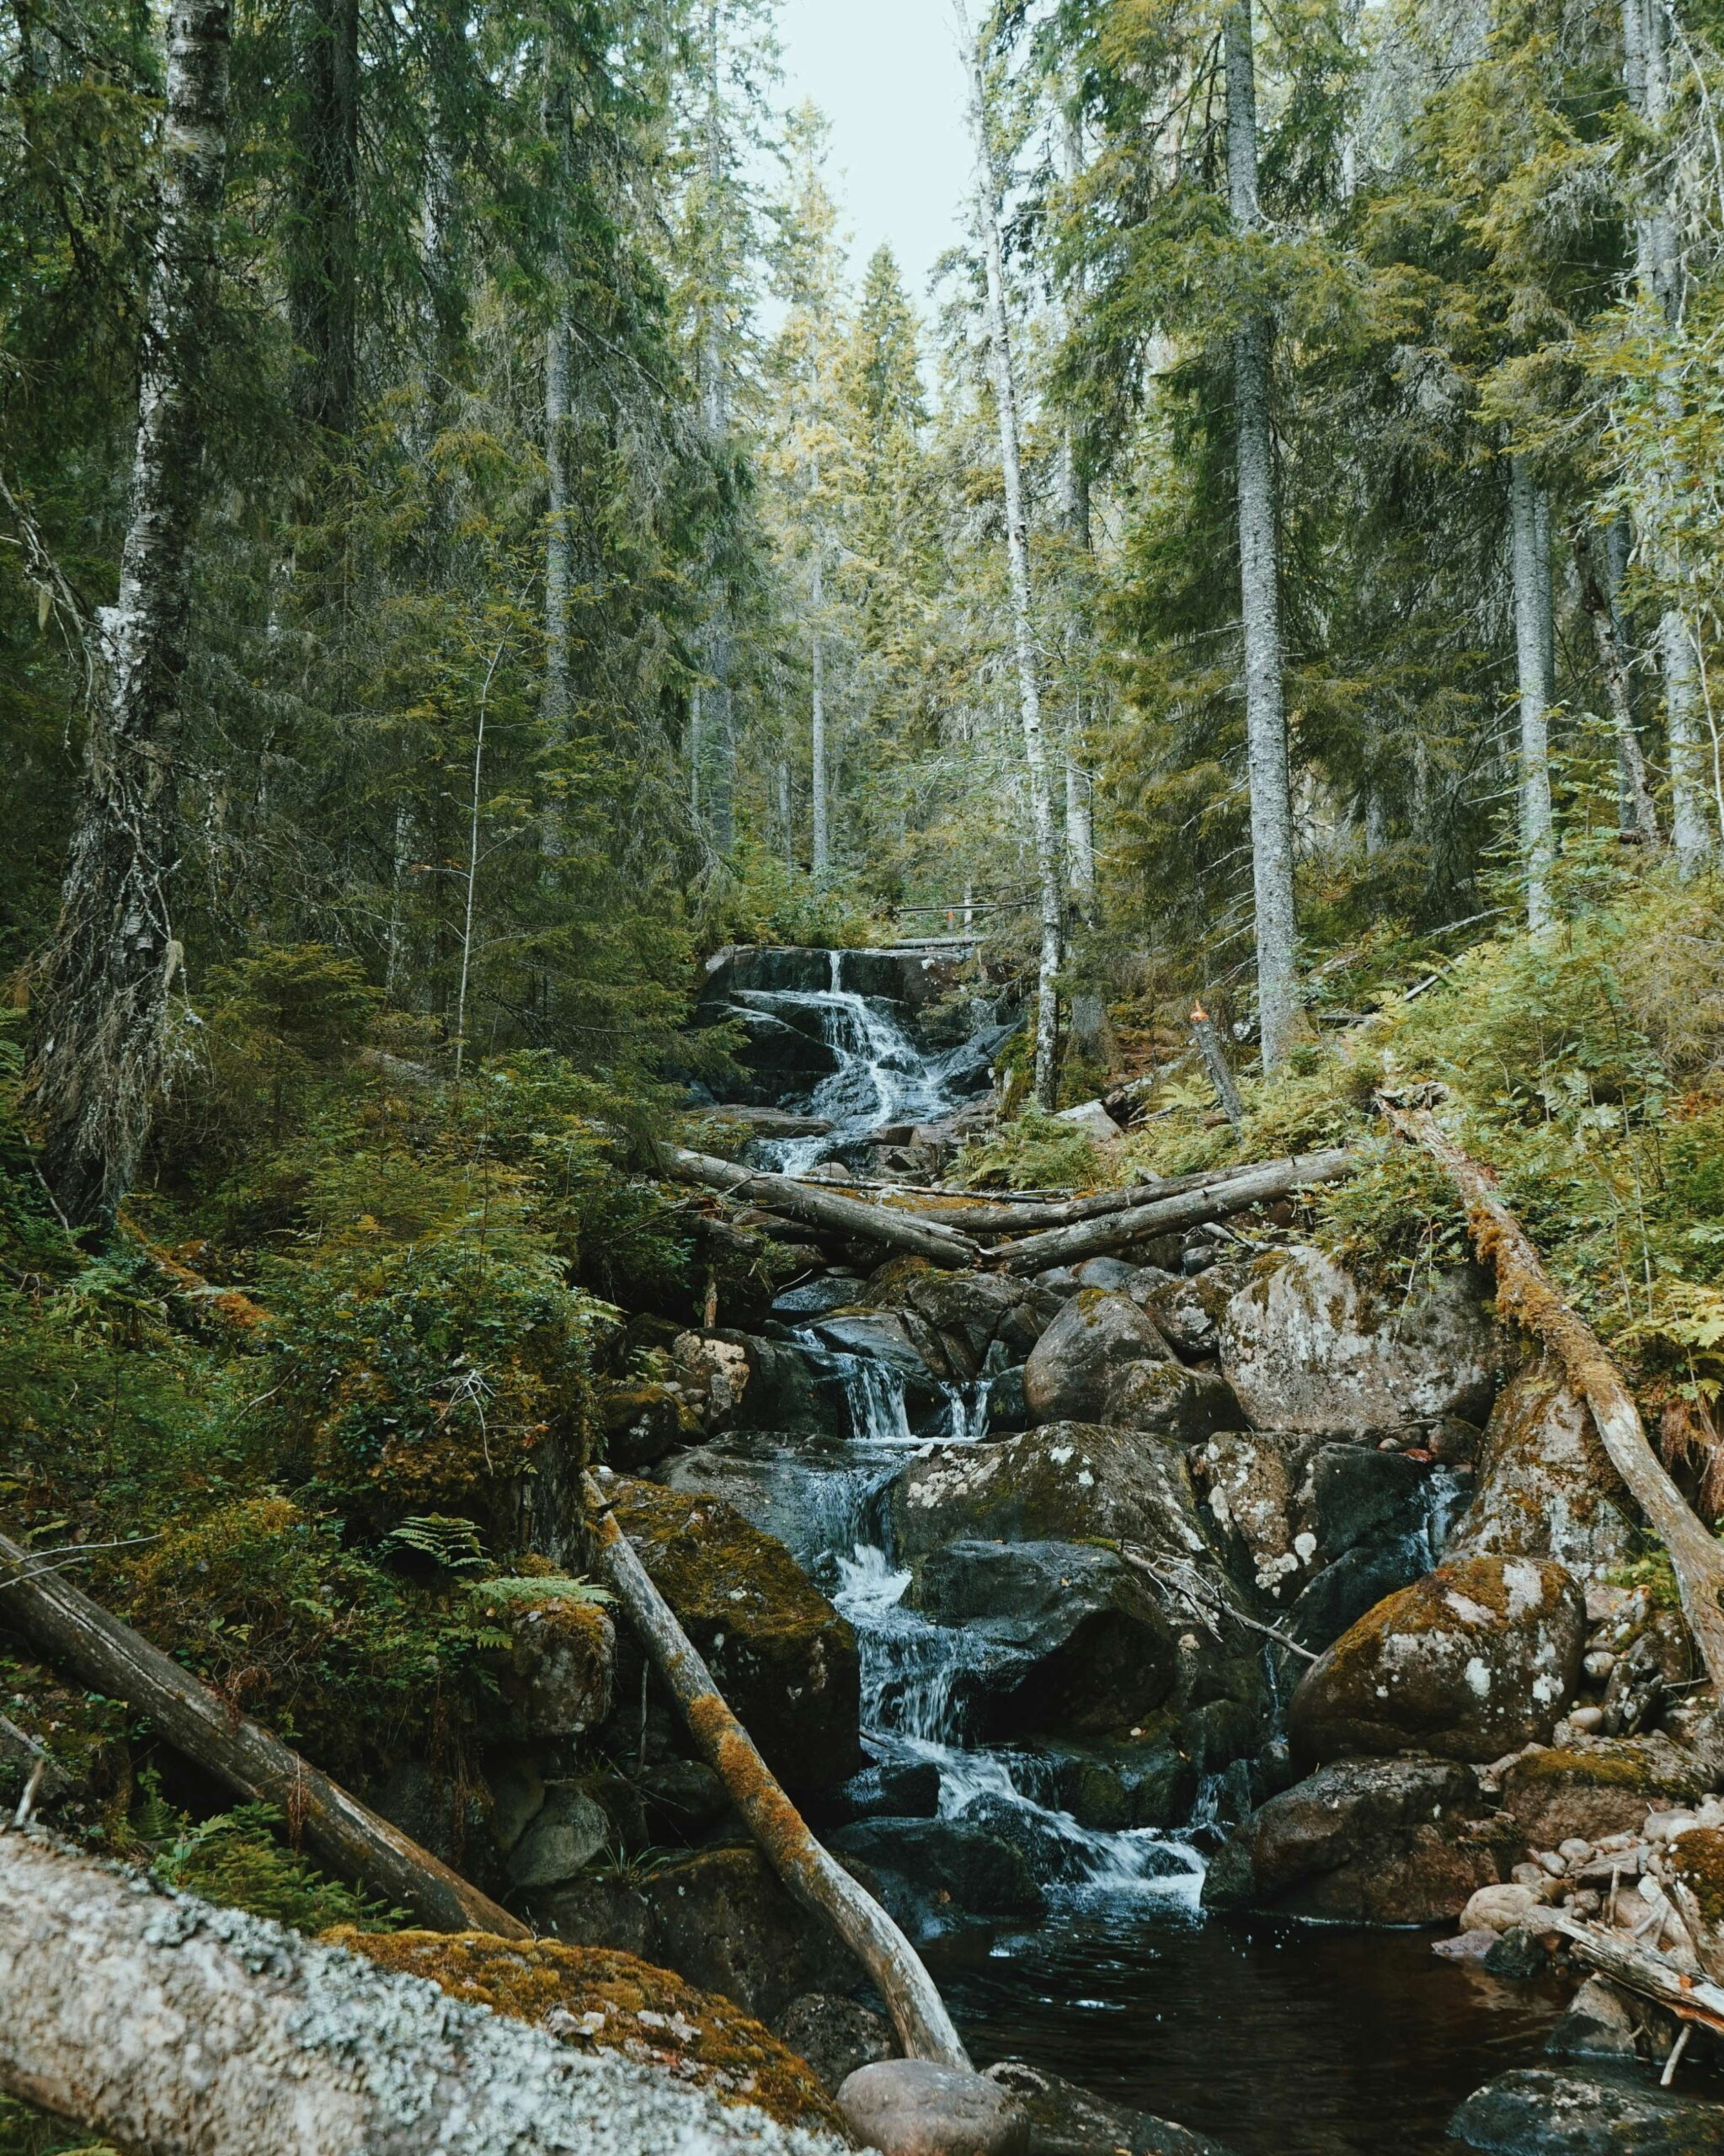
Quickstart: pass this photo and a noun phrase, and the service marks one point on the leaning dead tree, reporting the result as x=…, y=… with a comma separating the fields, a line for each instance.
x=816, y=1878
x=77, y=1634
x=176, y=2029
x=102, y=993
x=1526, y=1292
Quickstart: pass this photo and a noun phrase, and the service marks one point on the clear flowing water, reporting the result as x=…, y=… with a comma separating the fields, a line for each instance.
x=1277, y=2038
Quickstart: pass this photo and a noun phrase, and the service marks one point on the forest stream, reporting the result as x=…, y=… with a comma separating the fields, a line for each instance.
x=1272, y=2034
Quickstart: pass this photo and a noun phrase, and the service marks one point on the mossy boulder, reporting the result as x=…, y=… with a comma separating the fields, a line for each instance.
x=1545, y=1488
x=782, y=1657
x=644, y=1424
x=721, y=1919
x=1364, y=1841
x=1308, y=1347
x=1474, y=1660
x=1188, y=1312
x=1064, y=1482
x=597, y=2001
x=1595, y=1786
x=1084, y=1359
x=554, y=1681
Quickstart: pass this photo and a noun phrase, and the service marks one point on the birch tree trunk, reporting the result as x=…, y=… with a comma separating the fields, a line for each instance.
x=102, y=991
x=1044, y=836
x=1637, y=819
x=1278, y=1008
x=821, y=843
x=1658, y=274
x=1531, y=575
x=177, y=2029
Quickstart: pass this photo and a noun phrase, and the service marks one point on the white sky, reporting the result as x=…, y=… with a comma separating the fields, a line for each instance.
x=886, y=74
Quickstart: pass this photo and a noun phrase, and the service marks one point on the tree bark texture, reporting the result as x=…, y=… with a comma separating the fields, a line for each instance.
x=1530, y=568
x=174, y=2028
x=823, y=1207
x=77, y=1634
x=821, y=842
x=1526, y=1293
x=1637, y=818
x=323, y=275
x=557, y=574
x=1210, y=1201
x=1280, y=1012
x=102, y=992
x=816, y=1879
x=1044, y=835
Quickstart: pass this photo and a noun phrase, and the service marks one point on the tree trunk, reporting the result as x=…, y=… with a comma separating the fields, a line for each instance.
x=1531, y=572
x=821, y=854
x=174, y=2028
x=323, y=271
x=77, y=1634
x=1637, y=817
x=1278, y=1009
x=1042, y=833
x=559, y=580
x=1080, y=835
x=1210, y=1201
x=1526, y=1292
x=823, y=1208
x=817, y=1881
x=102, y=992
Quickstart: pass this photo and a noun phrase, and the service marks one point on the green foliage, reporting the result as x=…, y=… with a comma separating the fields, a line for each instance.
x=1035, y=1151
x=238, y=1860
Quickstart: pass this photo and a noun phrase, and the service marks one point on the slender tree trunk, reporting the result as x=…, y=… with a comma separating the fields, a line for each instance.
x=1278, y=1008
x=1637, y=817
x=1074, y=481
x=1080, y=835
x=102, y=992
x=1044, y=835
x=1658, y=274
x=557, y=578
x=324, y=279
x=822, y=855
x=1531, y=572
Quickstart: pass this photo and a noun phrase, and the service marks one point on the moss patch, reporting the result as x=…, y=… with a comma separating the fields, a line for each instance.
x=1697, y=1861
x=597, y=2001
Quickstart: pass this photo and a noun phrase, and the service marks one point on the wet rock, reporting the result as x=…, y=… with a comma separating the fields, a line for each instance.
x=830, y=1291
x=1544, y=2111
x=783, y=1657
x=1378, y=1841
x=1480, y=1657
x=778, y=1059
x=1067, y=2121
x=1545, y=1487
x=1116, y=1786
x=946, y=1861
x=1518, y=1956
x=644, y=1424
x=1307, y=1348
x=895, y=1789
x=1599, y=2024
x=882, y=1337
x=1083, y=1362
x=1063, y=1482
x=798, y=1487
x=910, y=2107
x=721, y=1919
x=1008, y=1405
x=568, y=1833
x=597, y=2001
x=1595, y=1787
x=973, y=1316
x=835, y=2036
x=1092, y=1652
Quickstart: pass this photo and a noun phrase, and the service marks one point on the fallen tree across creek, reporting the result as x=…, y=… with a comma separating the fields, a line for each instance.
x=76, y=1634
x=823, y=1207
x=1526, y=1292
x=174, y=2028
x=817, y=1880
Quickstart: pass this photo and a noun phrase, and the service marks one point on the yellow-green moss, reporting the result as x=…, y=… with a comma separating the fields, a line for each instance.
x=1697, y=1861
x=707, y=1561
x=598, y=2001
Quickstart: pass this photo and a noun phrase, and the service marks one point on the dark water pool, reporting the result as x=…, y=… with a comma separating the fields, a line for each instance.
x=1279, y=2039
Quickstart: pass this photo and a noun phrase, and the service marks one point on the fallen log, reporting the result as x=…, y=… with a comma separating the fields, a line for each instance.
x=1654, y=1976
x=1210, y=1199
x=76, y=1633
x=822, y=1206
x=817, y=1880
x=174, y=2028
x=1526, y=1292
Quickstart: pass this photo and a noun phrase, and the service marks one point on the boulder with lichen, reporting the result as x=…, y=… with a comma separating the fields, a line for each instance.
x=1544, y=1486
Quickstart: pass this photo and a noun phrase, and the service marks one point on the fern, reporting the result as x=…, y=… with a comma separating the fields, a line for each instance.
x=528, y=1590
x=453, y=1543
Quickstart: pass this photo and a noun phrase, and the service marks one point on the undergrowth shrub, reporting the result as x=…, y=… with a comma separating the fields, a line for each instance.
x=1034, y=1151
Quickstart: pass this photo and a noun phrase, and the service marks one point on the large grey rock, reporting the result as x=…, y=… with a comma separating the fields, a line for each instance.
x=976, y=1320
x=1476, y=1659
x=720, y=1918
x=949, y=1860
x=1188, y=1312
x=1079, y=1367
x=1090, y=1651
x=568, y=1832
x=1067, y=2121
x=835, y=2036
x=1362, y=1841
x=1307, y=1348
x=1544, y=1486
x=911, y=2107
x=1542, y=2111
x=882, y=1337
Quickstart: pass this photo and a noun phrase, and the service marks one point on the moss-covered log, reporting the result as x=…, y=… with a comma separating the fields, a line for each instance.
x=816, y=1879
x=79, y=1635
x=1526, y=1293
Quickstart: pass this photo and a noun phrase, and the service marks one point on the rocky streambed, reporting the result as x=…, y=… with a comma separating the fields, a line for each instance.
x=1180, y=1647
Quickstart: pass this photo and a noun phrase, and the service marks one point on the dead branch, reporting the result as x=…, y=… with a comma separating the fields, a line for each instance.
x=823, y=1208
